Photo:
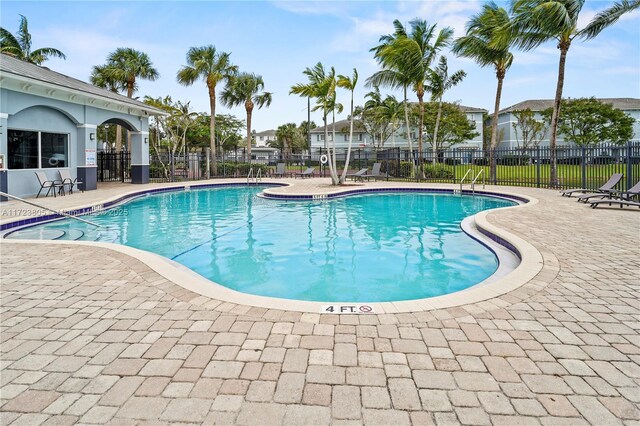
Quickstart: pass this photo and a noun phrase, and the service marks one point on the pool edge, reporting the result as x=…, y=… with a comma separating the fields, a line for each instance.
x=530, y=265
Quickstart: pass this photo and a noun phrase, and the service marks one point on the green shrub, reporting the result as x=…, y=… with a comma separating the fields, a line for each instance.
x=437, y=171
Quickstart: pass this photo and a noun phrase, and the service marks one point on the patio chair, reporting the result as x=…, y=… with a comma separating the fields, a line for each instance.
x=281, y=170
x=357, y=175
x=623, y=198
x=604, y=189
x=66, y=179
x=307, y=173
x=49, y=185
x=375, y=172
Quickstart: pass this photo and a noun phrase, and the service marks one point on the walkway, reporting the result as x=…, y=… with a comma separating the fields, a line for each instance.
x=94, y=336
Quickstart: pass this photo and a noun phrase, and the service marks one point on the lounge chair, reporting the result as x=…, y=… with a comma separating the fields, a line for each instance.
x=358, y=175
x=49, y=185
x=375, y=172
x=66, y=179
x=604, y=189
x=281, y=170
x=623, y=198
x=307, y=173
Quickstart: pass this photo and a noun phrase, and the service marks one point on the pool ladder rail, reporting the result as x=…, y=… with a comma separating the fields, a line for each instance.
x=255, y=178
x=474, y=180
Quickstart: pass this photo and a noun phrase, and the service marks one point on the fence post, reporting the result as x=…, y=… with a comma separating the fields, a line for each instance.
x=455, y=164
x=208, y=151
x=122, y=165
x=538, y=160
x=583, y=167
x=173, y=168
x=629, y=167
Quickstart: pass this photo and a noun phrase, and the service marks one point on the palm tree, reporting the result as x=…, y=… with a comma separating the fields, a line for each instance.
x=322, y=87
x=350, y=85
x=100, y=78
x=212, y=67
x=127, y=65
x=123, y=68
x=391, y=110
x=410, y=56
x=480, y=43
x=287, y=136
x=247, y=89
x=19, y=45
x=439, y=82
x=537, y=21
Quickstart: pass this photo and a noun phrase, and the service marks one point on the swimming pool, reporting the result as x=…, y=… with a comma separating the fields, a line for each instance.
x=374, y=248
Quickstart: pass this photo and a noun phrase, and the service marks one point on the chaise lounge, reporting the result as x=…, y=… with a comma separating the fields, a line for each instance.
x=358, y=175
x=307, y=173
x=603, y=190
x=624, y=198
x=375, y=172
x=281, y=170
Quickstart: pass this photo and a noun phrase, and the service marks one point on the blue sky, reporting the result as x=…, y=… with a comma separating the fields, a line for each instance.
x=280, y=39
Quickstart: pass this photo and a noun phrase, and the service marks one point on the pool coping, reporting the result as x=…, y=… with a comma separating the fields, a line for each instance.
x=531, y=260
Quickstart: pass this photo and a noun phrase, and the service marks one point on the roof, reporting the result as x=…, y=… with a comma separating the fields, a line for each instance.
x=270, y=132
x=19, y=68
x=340, y=124
x=542, y=104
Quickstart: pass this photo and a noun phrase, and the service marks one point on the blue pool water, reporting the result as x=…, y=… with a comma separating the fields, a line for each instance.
x=382, y=247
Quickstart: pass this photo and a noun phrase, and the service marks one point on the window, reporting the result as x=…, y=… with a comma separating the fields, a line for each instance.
x=53, y=150
x=33, y=150
x=360, y=136
x=320, y=137
x=346, y=137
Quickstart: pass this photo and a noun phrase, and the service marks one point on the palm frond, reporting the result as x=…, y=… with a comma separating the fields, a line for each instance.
x=38, y=56
x=607, y=18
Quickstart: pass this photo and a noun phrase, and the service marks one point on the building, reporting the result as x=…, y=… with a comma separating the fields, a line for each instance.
x=363, y=140
x=509, y=138
x=263, y=138
x=48, y=122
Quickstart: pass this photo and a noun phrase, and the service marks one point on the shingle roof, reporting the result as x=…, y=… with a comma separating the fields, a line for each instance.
x=542, y=104
x=11, y=65
x=340, y=124
x=269, y=132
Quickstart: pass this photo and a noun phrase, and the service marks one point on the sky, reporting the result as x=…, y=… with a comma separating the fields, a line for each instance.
x=279, y=39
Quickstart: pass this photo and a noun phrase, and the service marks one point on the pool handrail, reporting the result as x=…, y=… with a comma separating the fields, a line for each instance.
x=464, y=177
x=473, y=184
x=58, y=212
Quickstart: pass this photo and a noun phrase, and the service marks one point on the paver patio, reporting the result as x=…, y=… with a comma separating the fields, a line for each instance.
x=93, y=336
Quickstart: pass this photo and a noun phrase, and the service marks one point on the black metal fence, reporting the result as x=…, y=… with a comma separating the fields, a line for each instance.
x=587, y=167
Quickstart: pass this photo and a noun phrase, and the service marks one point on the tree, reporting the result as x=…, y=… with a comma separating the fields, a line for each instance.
x=19, y=45
x=439, y=82
x=588, y=121
x=537, y=21
x=287, y=137
x=228, y=132
x=451, y=123
x=528, y=130
x=123, y=68
x=126, y=65
x=485, y=43
x=247, y=89
x=348, y=83
x=410, y=55
x=321, y=86
x=390, y=111
x=101, y=78
x=305, y=129
x=371, y=120
x=212, y=67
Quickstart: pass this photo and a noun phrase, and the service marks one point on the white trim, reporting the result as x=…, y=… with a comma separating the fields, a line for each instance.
x=4, y=115
x=87, y=126
x=139, y=133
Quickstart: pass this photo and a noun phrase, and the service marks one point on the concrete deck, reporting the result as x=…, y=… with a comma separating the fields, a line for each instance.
x=91, y=335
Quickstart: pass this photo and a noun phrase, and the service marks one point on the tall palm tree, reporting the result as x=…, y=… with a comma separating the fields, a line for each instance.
x=481, y=44
x=247, y=89
x=19, y=45
x=439, y=82
x=212, y=67
x=537, y=21
x=321, y=86
x=127, y=65
x=349, y=84
x=411, y=55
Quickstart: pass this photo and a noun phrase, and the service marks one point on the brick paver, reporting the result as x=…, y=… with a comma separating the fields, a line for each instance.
x=104, y=339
